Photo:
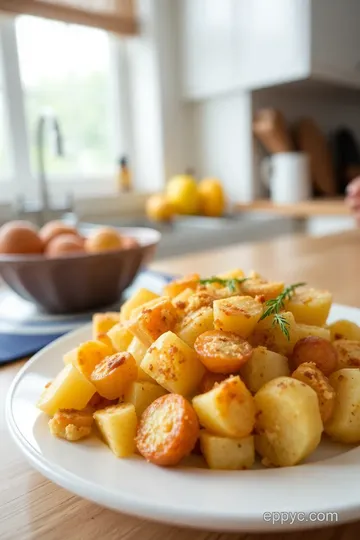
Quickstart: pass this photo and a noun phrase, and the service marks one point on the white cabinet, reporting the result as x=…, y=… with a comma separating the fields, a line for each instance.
x=227, y=45
x=335, y=41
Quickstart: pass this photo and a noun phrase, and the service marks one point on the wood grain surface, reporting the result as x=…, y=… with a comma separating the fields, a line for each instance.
x=32, y=507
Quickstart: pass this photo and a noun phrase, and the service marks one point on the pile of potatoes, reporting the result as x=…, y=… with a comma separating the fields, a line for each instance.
x=57, y=239
x=196, y=369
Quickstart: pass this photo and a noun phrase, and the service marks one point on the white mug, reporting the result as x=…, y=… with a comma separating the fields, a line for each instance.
x=287, y=175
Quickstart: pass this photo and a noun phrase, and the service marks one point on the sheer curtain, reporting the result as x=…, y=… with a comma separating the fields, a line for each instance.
x=112, y=15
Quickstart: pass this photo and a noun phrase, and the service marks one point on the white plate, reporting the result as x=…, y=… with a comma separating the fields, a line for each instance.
x=187, y=495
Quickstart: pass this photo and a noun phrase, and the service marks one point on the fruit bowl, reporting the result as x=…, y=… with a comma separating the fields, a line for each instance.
x=79, y=282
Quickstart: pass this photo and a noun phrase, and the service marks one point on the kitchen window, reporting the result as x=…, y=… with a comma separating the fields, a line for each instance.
x=64, y=70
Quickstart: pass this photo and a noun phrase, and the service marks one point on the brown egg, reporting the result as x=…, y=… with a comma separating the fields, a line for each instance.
x=104, y=239
x=63, y=245
x=54, y=228
x=128, y=242
x=20, y=237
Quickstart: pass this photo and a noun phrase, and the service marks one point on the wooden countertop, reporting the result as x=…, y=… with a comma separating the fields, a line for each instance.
x=305, y=209
x=32, y=508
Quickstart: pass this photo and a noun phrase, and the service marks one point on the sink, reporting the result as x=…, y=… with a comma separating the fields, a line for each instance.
x=188, y=234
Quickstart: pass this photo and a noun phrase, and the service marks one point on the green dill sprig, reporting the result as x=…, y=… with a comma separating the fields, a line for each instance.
x=275, y=305
x=229, y=283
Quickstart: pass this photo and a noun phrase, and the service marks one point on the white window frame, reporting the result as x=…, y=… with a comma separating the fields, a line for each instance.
x=25, y=181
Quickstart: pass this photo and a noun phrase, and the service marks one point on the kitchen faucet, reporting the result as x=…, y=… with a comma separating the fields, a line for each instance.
x=45, y=210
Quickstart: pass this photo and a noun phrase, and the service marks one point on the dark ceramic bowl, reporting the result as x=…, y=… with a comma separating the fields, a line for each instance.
x=78, y=282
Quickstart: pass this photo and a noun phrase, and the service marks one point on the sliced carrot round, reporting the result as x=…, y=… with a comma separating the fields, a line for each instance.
x=168, y=430
x=222, y=352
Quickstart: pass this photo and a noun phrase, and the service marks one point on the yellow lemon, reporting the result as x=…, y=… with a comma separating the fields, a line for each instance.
x=182, y=193
x=158, y=208
x=212, y=197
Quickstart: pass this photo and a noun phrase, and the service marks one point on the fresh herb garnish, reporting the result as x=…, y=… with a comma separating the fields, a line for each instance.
x=229, y=283
x=275, y=305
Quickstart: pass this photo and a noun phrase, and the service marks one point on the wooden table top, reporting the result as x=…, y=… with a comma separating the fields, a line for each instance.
x=32, y=507
x=304, y=209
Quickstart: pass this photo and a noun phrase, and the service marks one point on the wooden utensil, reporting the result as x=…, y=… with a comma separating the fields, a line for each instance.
x=310, y=139
x=270, y=128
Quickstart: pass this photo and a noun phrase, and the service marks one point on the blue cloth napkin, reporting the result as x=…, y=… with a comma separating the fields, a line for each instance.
x=24, y=329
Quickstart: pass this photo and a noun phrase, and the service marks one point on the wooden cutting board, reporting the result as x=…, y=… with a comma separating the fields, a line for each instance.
x=310, y=139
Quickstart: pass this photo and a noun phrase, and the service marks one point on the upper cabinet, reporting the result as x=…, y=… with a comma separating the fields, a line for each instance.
x=241, y=44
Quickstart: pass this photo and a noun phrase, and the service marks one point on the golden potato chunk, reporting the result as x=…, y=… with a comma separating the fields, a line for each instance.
x=344, y=425
x=348, y=353
x=198, y=300
x=259, y=287
x=269, y=335
x=138, y=299
x=152, y=320
x=227, y=410
x=227, y=454
x=310, y=306
x=138, y=351
x=288, y=422
x=104, y=338
x=222, y=352
x=69, y=390
x=237, y=314
x=309, y=374
x=114, y=374
x=117, y=424
x=120, y=337
x=209, y=380
x=307, y=330
x=71, y=424
x=87, y=356
x=194, y=324
x=237, y=273
x=142, y=393
x=180, y=301
x=168, y=430
x=102, y=322
x=173, y=364
x=262, y=367
x=316, y=350
x=177, y=286
x=344, y=329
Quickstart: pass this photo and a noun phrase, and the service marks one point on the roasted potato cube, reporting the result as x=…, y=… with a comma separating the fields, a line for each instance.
x=237, y=314
x=344, y=425
x=269, y=335
x=307, y=330
x=180, y=301
x=142, y=393
x=348, y=353
x=114, y=374
x=153, y=319
x=227, y=454
x=138, y=350
x=177, y=286
x=198, y=300
x=237, y=273
x=120, y=336
x=71, y=425
x=173, y=364
x=310, y=306
x=227, y=410
x=168, y=430
x=104, y=338
x=138, y=299
x=69, y=390
x=102, y=322
x=222, y=352
x=87, y=355
x=344, y=329
x=309, y=374
x=288, y=421
x=317, y=350
x=259, y=287
x=262, y=367
x=194, y=324
x=117, y=424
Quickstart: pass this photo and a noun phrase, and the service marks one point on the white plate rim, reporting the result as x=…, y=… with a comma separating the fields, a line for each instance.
x=193, y=516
